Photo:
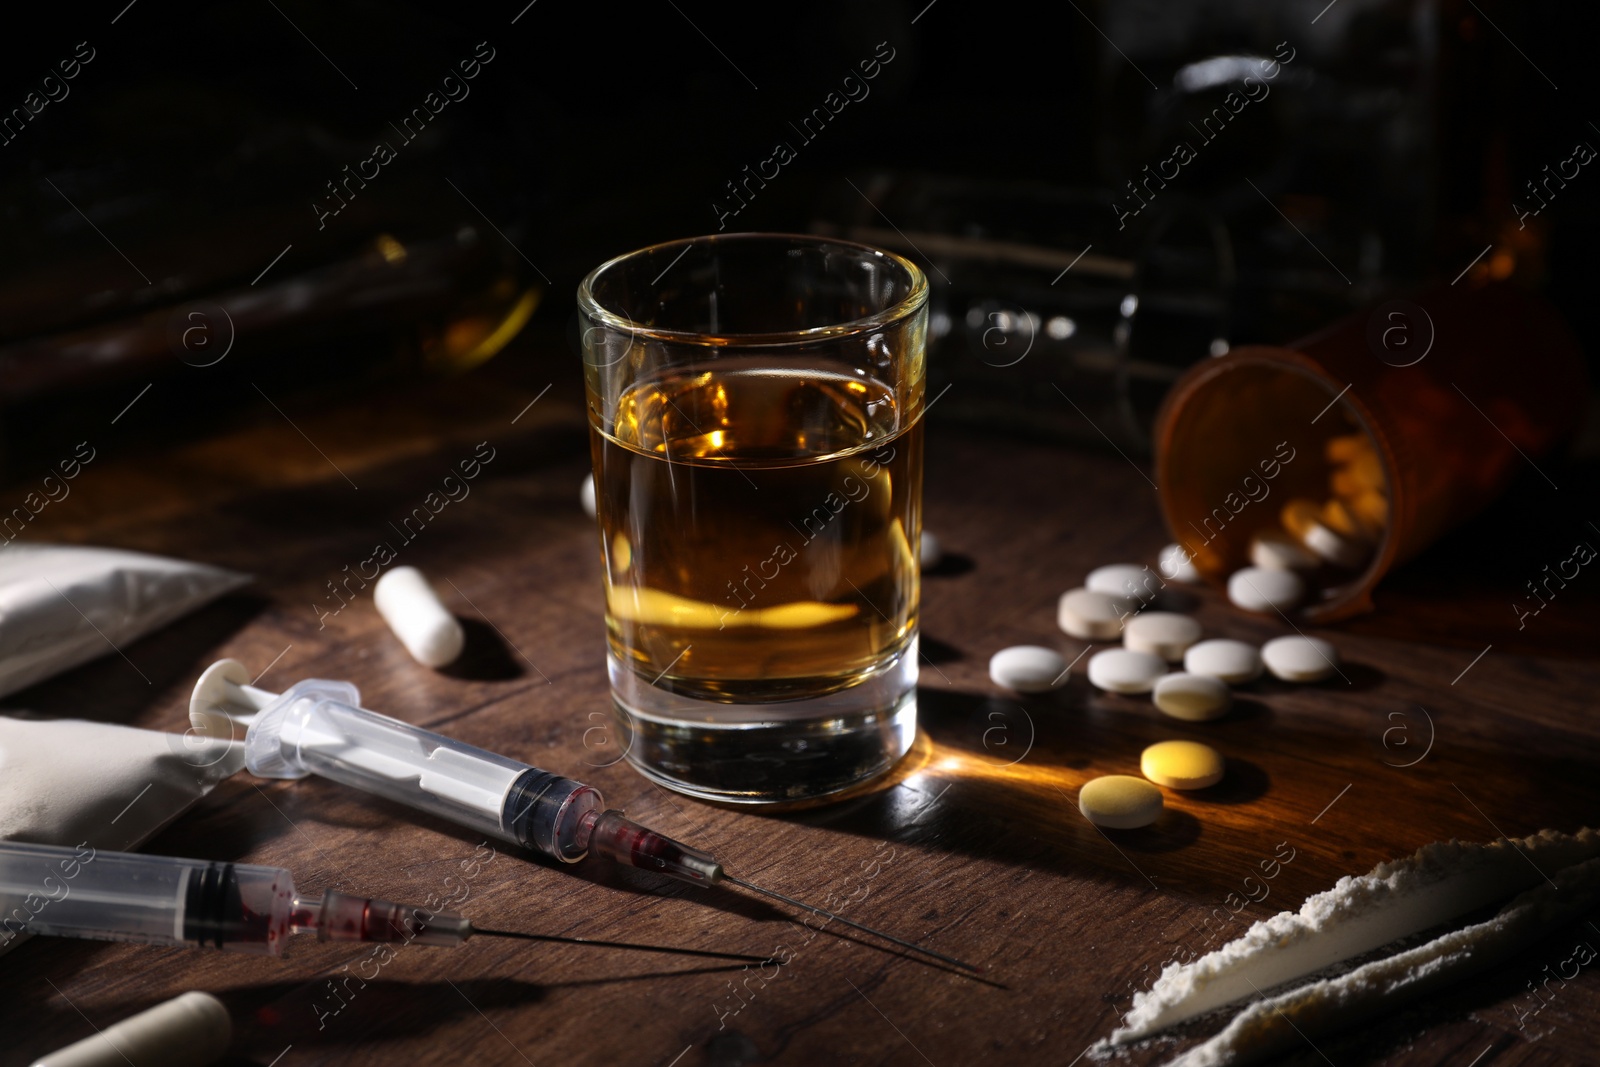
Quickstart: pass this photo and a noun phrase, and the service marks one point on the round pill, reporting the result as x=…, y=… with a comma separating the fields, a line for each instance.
x=1192, y=697
x=1275, y=550
x=1347, y=448
x=1231, y=661
x=1092, y=616
x=929, y=551
x=586, y=496
x=1120, y=802
x=1258, y=589
x=1182, y=764
x=1176, y=563
x=414, y=612
x=1300, y=659
x=1121, y=671
x=1122, y=579
x=1372, y=508
x=1028, y=669
x=1305, y=521
x=1161, y=633
x=1343, y=520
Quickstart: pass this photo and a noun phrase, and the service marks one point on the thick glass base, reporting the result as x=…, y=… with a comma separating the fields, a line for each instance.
x=769, y=753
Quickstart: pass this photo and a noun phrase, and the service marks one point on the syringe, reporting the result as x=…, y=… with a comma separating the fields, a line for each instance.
x=163, y=900
x=319, y=727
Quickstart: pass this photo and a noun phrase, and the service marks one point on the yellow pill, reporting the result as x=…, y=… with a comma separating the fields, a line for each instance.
x=1346, y=483
x=1120, y=802
x=1372, y=507
x=1182, y=764
x=1346, y=448
x=1339, y=517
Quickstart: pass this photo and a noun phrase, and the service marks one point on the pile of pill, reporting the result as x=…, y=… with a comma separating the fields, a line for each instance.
x=1340, y=532
x=1115, y=602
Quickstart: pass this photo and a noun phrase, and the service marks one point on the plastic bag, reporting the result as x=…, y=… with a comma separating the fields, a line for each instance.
x=62, y=605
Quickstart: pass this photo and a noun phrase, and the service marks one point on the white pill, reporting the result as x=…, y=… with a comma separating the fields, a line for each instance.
x=1093, y=616
x=586, y=496
x=1028, y=669
x=1123, y=579
x=1275, y=550
x=1161, y=633
x=1232, y=661
x=1305, y=521
x=1120, y=802
x=1176, y=563
x=413, y=611
x=929, y=551
x=1192, y=697
x=1300, y=659
x=188, y=1031
x=1121, y=671
x=1258, y=589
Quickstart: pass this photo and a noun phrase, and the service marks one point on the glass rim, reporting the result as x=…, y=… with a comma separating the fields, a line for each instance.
x=913, y=301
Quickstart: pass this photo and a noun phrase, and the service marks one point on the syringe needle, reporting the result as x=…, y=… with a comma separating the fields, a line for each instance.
x=726, y=877
x=592, y=943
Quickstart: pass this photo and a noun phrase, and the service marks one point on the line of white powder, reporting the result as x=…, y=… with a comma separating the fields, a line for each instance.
x=1438, y=883
x=1282, y=1023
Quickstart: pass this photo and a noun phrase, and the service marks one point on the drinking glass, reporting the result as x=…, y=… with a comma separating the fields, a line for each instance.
x=755, y=411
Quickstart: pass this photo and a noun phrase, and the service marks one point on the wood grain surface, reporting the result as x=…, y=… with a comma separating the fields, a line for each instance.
x=973, y=845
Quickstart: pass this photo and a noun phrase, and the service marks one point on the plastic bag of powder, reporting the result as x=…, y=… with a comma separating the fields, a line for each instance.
x=62, y=605
x=109, y=787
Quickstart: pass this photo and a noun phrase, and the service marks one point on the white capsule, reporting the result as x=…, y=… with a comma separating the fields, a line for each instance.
x=1028, y=669
x=1260, y=590
x=1192, y=697
x=929, y=551
x=1176, y=563
x=1161, y=633
x=1123, y=579
x=187, y=1031
x=1231, y=661
x=1300, y=659
x=586, y=495
x=1091, y=616
x=414, y=612
x=1275, y=550
x=1120, y=671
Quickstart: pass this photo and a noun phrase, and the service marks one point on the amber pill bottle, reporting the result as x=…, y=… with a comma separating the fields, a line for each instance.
x=1455, y=391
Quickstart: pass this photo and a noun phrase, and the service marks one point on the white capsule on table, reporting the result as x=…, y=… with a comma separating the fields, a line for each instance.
x=1192, y=697
x=1124, y=580
x=1120, y=802
x=929, y=551
x=1260, y=590
x=1176, y=563
x=418, y=618
x=1092, y=616
x=1028, y=669
x=1224, y=658
x=1117, y=670
x=586, y=496
x=1275, y=550
x=187, y=1031
x=1161, y=633
x=1300, y=659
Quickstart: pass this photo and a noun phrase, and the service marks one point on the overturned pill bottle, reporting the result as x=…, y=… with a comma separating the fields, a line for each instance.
x=1368, y=441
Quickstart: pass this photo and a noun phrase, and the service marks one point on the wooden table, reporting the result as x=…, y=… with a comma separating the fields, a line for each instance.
x=973, y=845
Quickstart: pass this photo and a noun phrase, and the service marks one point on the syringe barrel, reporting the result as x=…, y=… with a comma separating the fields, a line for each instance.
x=319, y=727
x=157, y=900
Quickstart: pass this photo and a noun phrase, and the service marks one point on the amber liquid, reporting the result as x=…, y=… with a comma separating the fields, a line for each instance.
x=759, y=531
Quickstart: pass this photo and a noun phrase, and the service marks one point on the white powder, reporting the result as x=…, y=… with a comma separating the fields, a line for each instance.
x=1438, y=883
x=1283, y=1023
